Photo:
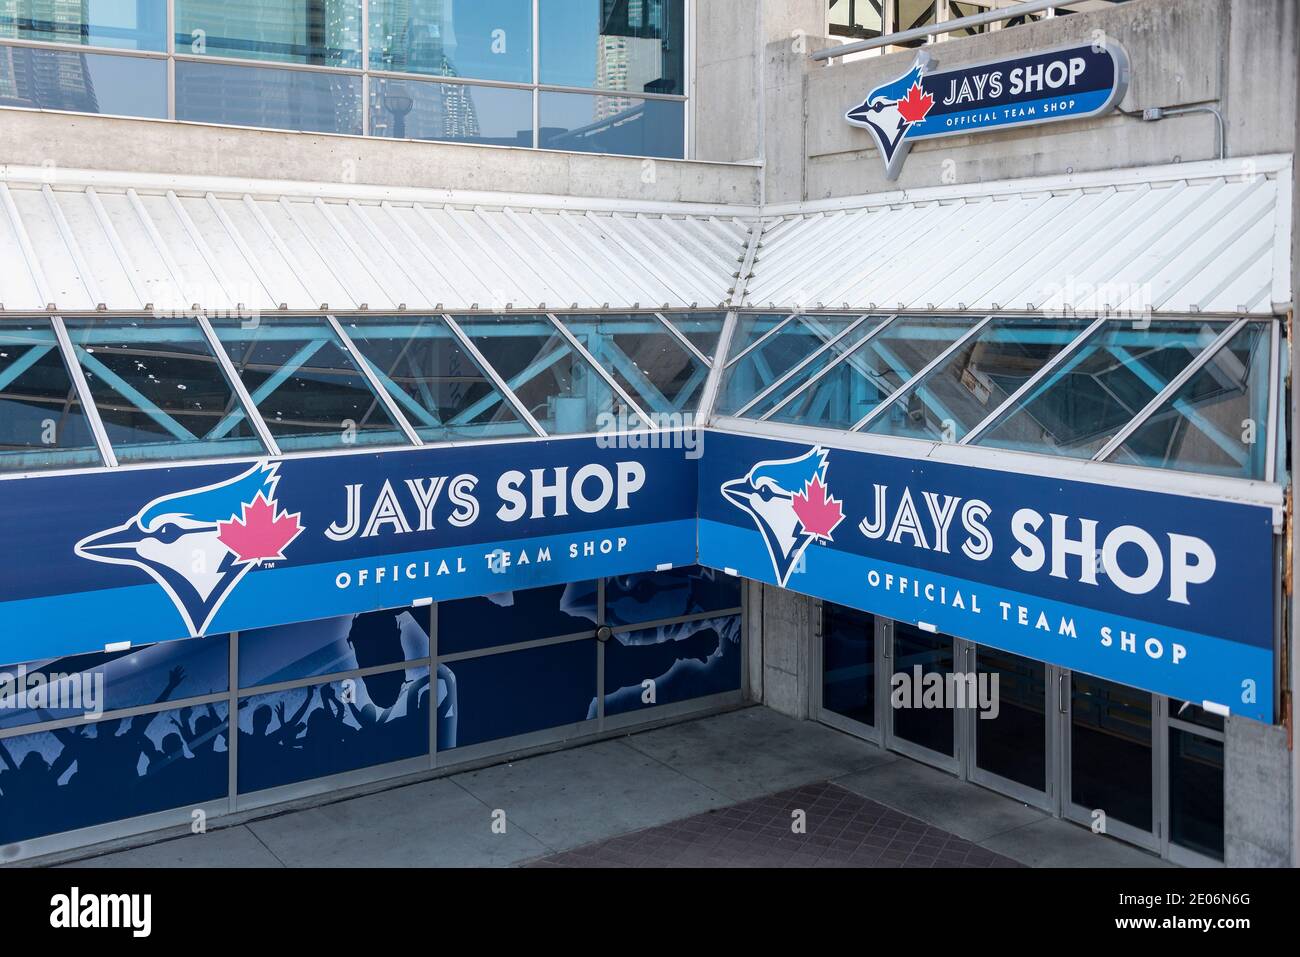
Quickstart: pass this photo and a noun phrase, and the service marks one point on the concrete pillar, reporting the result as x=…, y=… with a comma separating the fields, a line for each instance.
x=1257, y=795
x=788, y=622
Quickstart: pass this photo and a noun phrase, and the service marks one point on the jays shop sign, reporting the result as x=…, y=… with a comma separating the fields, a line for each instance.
x=156, y=554
x=1069, y=83
x=1163, y=592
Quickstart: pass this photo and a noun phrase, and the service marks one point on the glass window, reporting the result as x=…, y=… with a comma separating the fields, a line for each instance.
x=910, y=14
x=514, y=617
x=313, y=732
x=849, y=663
x=1100, y=388
x=840, y=395
x=860, y=19
x=688, y=660
x=647, y=360
x=159, y=390
x=88, y=774
x=635, y=46
x=1217, y=421
x=612, y=124
x=1110, y=750
x=483, y=39
x=702, y=329
x=962, y=392
x=125, y=24
x=442, y=390
x=766, y=347
x=319, y=32
x=676, y=593
x=561, y=390
x=42, y=423
x=306, y=386
x=500, y=696
x=83, y=82
x=315, y=649
x=845, y=333
x=275, y=99
x=105, y=681
x=451, y=112
x=1196, y=792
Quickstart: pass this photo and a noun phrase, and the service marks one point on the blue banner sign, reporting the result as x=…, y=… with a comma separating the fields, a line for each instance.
x=1069, y=83
x=146, y=555
x=1163, y=592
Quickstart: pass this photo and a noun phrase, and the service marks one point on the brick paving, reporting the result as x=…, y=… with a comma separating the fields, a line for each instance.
x=843, y=830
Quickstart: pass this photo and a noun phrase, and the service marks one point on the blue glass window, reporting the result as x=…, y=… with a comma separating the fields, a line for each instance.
x=633, y=46
x=647, y=360
x=1217, y=421
x=485, y=39
x=500, y=696
x=1100, y=387
x=963, y=391
x=702, y=329
x=676, y=593
x=622, y=125
x=306, y=386
x=442, y=390
x=124, y=24
x=318, y=648
x=160, y=391
x=451, y=112
x=274, y=99
x=684, y=661
x=83, y=82
x=317, y=731
x=514, y=617
x=552, y=380
x=112, y=680
x=317, y=32
x=42, y=424
x=52, y=781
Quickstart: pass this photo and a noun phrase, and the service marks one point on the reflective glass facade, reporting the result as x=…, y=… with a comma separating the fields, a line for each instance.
x=435, y=70
x=393, y=691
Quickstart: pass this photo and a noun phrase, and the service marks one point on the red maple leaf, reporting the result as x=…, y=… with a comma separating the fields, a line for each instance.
x=913, y=107
x=260, y=534
x=818, y=512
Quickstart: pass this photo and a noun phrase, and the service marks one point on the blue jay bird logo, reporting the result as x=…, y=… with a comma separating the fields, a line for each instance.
x=791, y=505
x=893, y=108
x=199, y=544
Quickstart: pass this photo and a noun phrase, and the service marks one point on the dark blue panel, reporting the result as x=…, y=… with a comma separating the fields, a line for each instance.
x=684, y=662
x=317, y=648
x=76, y=777
x=653, y=596
x=511, y=617
x=110, y=681
x=500, y=696
x=306, y=733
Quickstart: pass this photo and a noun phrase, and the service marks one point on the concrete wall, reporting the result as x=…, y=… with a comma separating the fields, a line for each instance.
x=1257, y=796
x=1237, y=55
x=779, y=653
x=153, y=146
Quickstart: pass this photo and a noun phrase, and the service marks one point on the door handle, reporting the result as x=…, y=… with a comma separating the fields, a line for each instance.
x=1060, y=693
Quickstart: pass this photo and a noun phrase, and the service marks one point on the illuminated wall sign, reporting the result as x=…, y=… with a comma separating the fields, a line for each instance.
x=156, y=554
x=1162, y=592
x=1062, y=84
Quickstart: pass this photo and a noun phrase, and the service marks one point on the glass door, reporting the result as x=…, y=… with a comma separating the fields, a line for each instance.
x=1009, y=743
x=1112, y=757
x=848, y=647
x=921, y=720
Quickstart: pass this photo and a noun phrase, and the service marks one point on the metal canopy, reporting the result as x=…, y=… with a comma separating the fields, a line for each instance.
x=130, y=244
x=1197, y=237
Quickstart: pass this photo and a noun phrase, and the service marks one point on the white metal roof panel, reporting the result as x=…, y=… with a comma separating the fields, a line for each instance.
x=128, y=243
x=1197, y=237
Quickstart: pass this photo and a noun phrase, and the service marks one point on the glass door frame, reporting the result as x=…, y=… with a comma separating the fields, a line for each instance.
x=1045, y=800
x=817, y=708
x=885, y=713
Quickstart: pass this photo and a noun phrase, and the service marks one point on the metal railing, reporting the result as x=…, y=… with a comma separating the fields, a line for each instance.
x=933, y=29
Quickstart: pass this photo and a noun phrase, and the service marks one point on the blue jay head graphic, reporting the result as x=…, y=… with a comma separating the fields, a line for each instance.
x=177, y=540
x=880, y=114
x=767, y=493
